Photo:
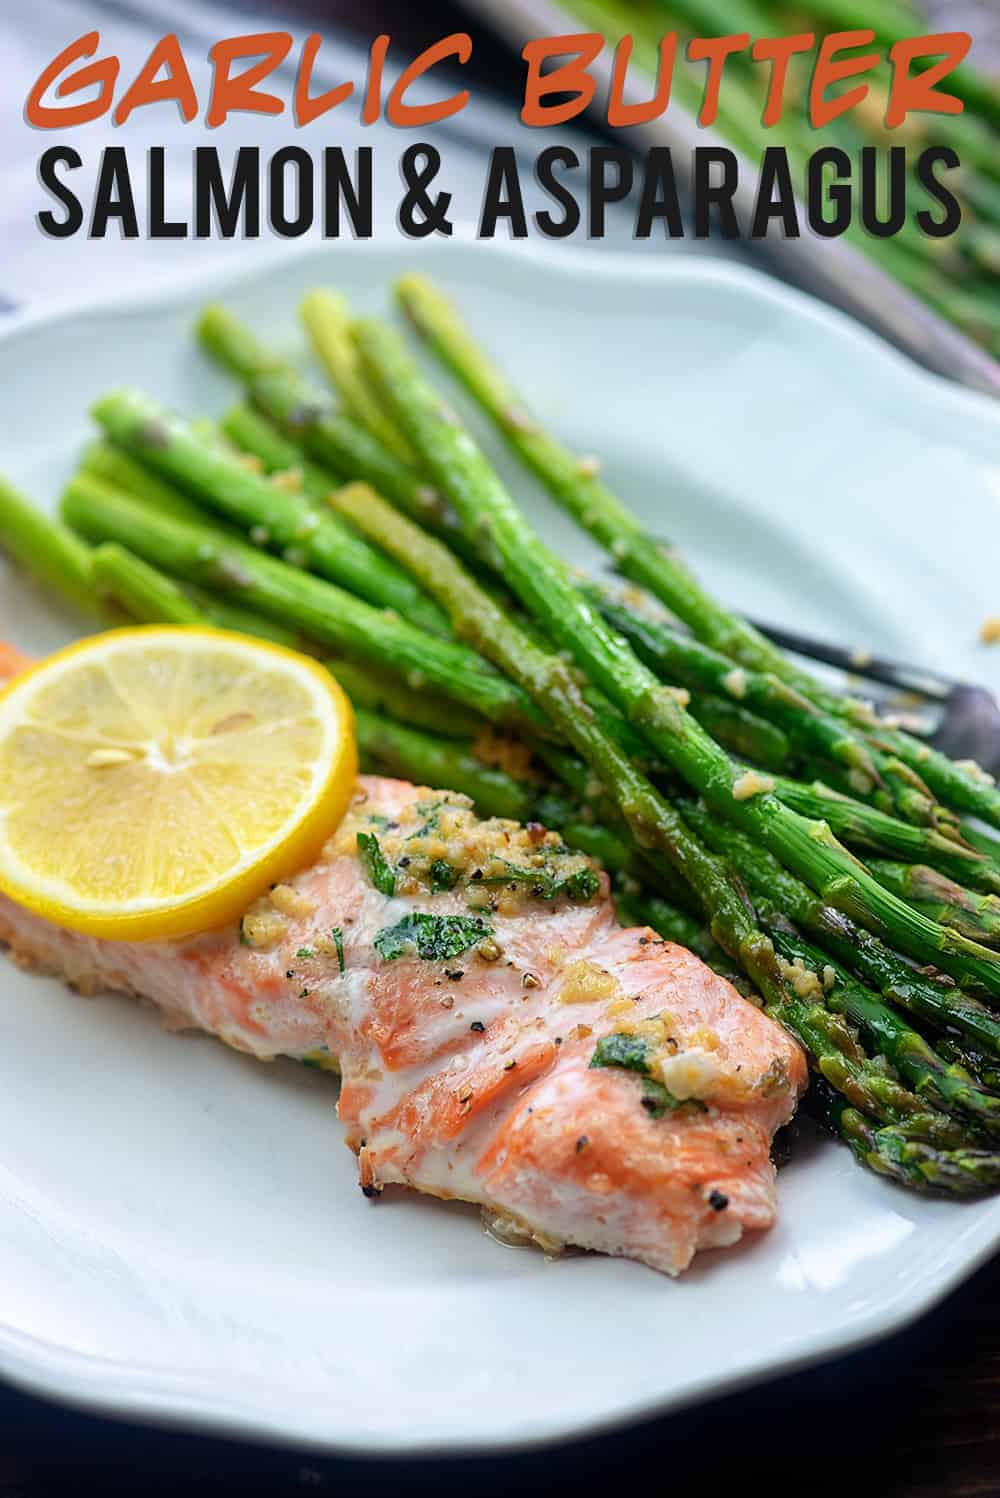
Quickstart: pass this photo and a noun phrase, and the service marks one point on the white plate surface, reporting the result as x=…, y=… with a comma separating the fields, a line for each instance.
x=181, y=1233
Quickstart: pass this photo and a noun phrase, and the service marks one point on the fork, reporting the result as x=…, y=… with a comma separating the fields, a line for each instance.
x=966, y=724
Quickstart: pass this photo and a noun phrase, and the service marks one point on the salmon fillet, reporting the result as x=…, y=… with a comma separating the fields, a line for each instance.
x=500, y=1038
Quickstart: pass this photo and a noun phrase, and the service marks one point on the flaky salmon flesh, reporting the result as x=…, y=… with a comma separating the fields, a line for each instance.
x=500, y=1038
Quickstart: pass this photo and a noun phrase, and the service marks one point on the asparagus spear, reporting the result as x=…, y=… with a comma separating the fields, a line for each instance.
x=939, y=1083
x=945, y=1005
x=911, y=1162
x=327, y=317
x=412, y=755
x=309, y=418
x=147, y=596
x=47, y=550
x=942, y=899
x=677, y=657
x=546, y=588
x=578, y=488
x=112, y=466
x=324, y=612
x=984, y=1068
x=282, y=517
x=864, y=827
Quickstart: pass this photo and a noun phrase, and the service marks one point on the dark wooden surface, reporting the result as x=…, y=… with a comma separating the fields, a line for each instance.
x=916, y=1417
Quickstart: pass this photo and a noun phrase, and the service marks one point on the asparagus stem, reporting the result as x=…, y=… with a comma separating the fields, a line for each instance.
x=227, y=615
x=679, y=658
x=327, y=317
x=864, y=827
x=384, y=694
x=638, y=556
x=112, y=466
x=910, y=1162
x=322, y=611
x=984, y=1068
x=935, y=1081
x=975, y=915
x=440, y=763
x=145, y=594
x=544, y=585
x=744, y=734
x=965, y=788
x=945, y=1005
x=46, y=550
x=252, y=433
x=577, y=487
x=308, y=417
x=282, y=517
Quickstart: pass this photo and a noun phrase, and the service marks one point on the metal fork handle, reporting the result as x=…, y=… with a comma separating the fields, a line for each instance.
x=895, y=674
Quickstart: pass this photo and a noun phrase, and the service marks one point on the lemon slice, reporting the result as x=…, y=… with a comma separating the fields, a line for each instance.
x=154, y=782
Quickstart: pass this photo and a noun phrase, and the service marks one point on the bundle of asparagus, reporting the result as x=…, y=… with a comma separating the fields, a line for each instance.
x=373, y=529
x=958, y=275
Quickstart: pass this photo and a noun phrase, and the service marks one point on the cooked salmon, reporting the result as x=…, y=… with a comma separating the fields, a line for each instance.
x=500, y=1038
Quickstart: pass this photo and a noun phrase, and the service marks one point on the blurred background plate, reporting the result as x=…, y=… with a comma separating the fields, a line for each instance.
x=830, y=268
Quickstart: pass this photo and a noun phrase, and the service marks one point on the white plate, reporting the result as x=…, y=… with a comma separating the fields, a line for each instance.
x=181, y=1233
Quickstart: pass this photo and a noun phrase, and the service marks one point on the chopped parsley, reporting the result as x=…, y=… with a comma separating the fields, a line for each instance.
x=433, y=937
x=377, y=867
x=304, y=953
x=631, y=1053
x=581, y=885
x=443, y=876
x=337, y=935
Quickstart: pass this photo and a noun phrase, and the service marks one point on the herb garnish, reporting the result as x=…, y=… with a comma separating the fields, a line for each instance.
x=434, y=937
x=443, y=876
x=631, y=1053
x=377, y=867
x=338, y=940
x=305, y=953
x=581, y=885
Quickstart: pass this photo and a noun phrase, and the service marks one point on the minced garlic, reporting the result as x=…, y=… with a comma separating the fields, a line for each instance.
x=690, y=1074
x=736, y=682
x=989, y=631
x=750, y=783
x=804, y=981
x=263, y=928
x=975, y=771
x=288, y=480
x=586, y=983
x=291, y=902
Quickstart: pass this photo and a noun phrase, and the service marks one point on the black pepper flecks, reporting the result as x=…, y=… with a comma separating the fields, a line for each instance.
x=455, y=974
x=478, y=1026
x=581, y=1143
x=718, y=1201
